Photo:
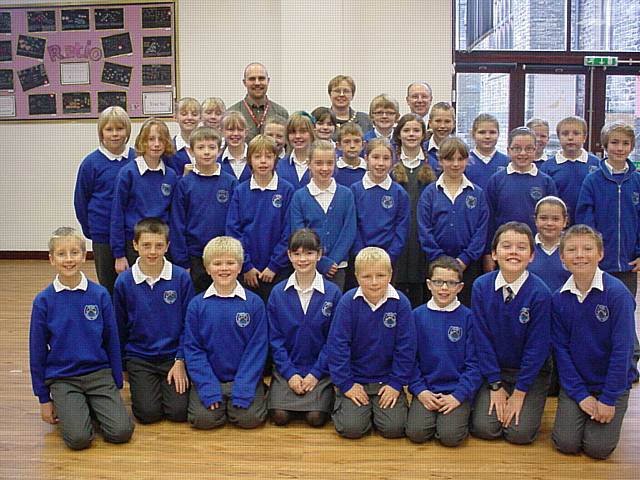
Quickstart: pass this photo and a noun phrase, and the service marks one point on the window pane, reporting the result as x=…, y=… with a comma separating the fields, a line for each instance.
x=520, y=25
x=605, y=25
x=482, y=93
x=623, y=103
x=551, y=98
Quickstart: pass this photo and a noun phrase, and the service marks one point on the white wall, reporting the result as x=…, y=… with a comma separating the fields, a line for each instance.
x=303, y=43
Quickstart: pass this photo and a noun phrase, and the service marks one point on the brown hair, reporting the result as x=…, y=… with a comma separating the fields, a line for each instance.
x=261, y=143
x=143, y=137
x=335, y=81
x=517, y=227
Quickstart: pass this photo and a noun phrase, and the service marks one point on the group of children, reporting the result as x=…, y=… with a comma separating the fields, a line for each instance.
x=221, y=256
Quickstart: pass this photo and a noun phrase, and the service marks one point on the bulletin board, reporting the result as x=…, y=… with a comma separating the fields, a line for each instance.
x=72, y=61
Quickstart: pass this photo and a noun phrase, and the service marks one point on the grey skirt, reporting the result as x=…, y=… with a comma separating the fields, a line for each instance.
x=281, y=397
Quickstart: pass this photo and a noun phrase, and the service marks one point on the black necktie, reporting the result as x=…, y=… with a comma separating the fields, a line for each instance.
x=510, y=295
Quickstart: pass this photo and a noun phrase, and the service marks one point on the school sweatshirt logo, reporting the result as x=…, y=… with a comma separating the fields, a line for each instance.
x=536, y=193
x=387, y=202
x=454, y=333
x=222, y=196
x=501, y=169
x=276, y=200
x=635, y=198
x=170, y=296
x=524, y=316
x=602, y=313
x=327, y=308
x=243, y=319
x=91, y=312
x=593, y=168
x=165, y=188
x=471, y=202
x=389, y=319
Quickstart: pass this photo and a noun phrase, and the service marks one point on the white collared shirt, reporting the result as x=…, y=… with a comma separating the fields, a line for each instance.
x=432, y=145
x=613, y=171
x=584, y=155
x=143, y=167
x=533, y=171
x=452, y=196
x=342, y=164
x=301, y=168
x=432, y=305
x=368, y=183
x=515, y=285
x=272, y=185
x=485, y=159
x=237, y=164
x=323, y=197
x=411, y=164
x=111, y=157
x=596, y=282
x=305, y=294
x=380, y=135
x=139, y=276
x=214, y=174
x=58, y=286
x=543, y=158
x=180, y=143
x=238, y=291
x=549, y=251
x=390, y=293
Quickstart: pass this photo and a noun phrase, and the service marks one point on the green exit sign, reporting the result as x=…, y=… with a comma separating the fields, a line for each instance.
x=601, y=61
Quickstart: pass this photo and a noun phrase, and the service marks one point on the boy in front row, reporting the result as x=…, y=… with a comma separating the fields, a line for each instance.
x=226, y=344
x=74, y=351
x=372, y=350
x=150, y=300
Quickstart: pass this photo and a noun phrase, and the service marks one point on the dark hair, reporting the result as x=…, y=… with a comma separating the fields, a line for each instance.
x=426, y=174
x=151, y=225
x=448, y=263
x=306, y=239
x=517, y=227
x=323, y=113
x=520, y=132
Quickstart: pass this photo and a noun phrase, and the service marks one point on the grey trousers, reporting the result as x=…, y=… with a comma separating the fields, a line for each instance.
x=352, y=421
x=75, y=399
x=105, y=265
x=488, y=427
x=252, y=417
x=152, y=398
x=451, y=429
x=573, y=430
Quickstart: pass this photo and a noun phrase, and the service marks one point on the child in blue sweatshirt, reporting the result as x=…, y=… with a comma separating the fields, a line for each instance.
x=74, y=353
x=446, y=376
x=442, y=123
x=382, y=206
x=384, y=112
x=329, y=210
x=259, y=217
x=200, y=205
x=569, y=167
x=453, y=215
x=226, y=344
x=93, y=197
x=485, y=159
x=350, y=167
x=188, y=114
x=372, y=351
x=294, y=168
x=593, y=331
x=144, y=188
x=234, y=156
x=512, y=194
x=150, y=301
x=300, y=312
x=511, y=309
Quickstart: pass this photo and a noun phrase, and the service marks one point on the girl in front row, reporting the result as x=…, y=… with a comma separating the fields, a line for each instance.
x=593, y=332
x=300, y=311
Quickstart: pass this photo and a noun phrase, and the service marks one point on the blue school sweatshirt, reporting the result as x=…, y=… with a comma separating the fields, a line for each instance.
x=151, y=320
x=432, y=156
x=593, y=341
x=549, y=268
x=72, y=333
x=93, y=196
x=366, y=346
x=287, y=171
x=336, y=228
x=198, y=213
x=513, y=197
x=459, y=229
x=298, y=340
x=568, y=177
x=260, y=220
x=446, y=359
x=136, y=197
x=226, y=341
x=611, y=204
x=178, y=160
x=511, y=335
x=479, y=172
x=383, y=218
x=348, y=176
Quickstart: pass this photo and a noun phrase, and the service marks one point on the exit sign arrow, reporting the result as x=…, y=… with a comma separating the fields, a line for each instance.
x=601, y=61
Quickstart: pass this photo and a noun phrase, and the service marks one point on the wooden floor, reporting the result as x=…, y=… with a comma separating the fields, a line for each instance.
x=31, y=449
